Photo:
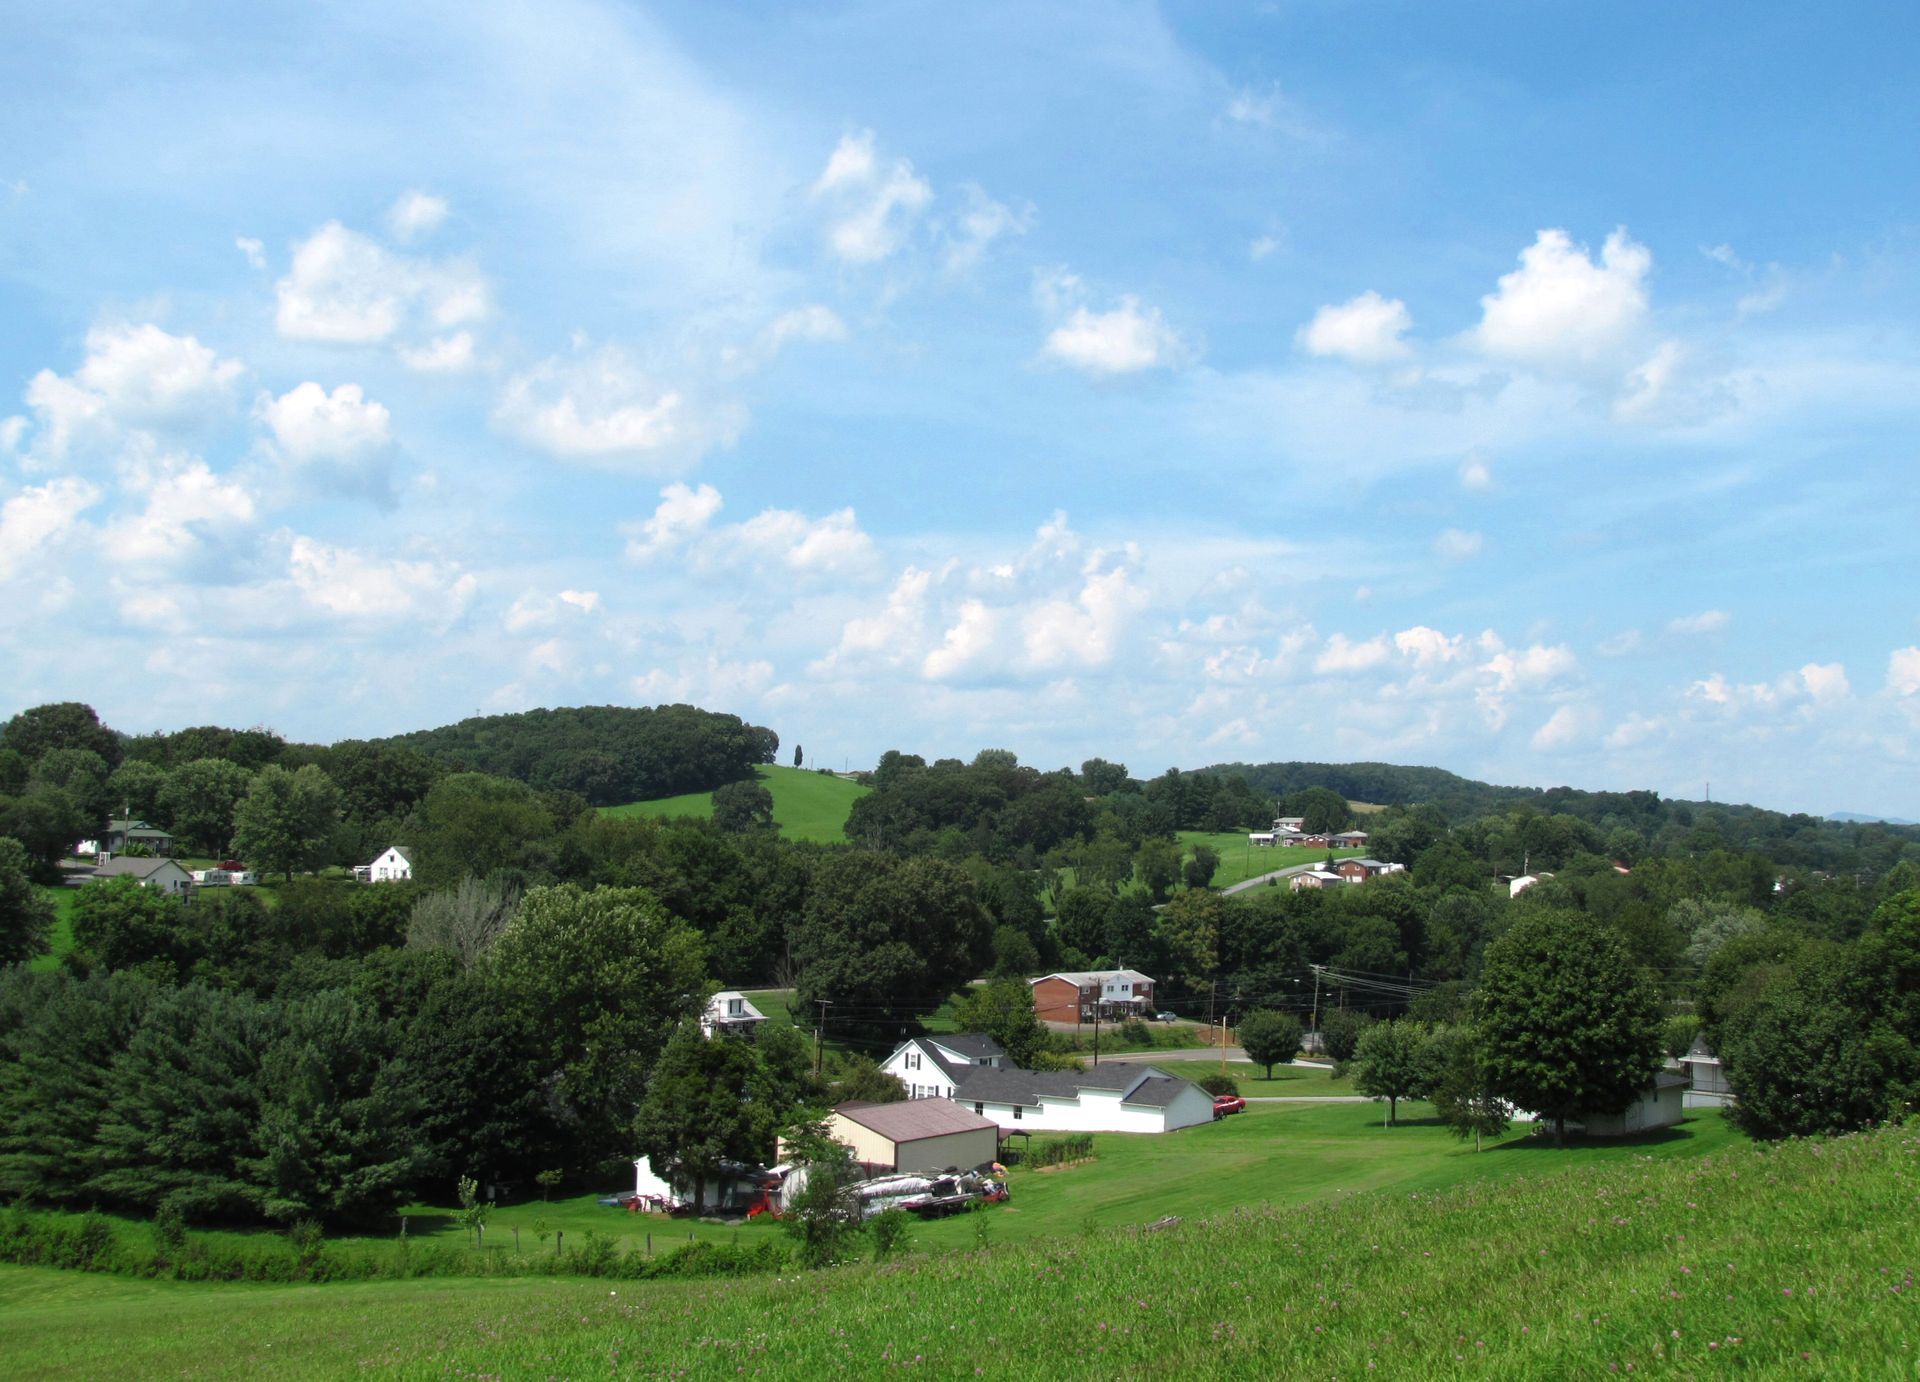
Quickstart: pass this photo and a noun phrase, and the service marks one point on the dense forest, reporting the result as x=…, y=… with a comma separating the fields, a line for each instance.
x=527, y=1002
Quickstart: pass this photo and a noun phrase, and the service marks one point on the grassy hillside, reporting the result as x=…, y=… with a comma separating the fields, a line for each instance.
x=806, y=805
x=1797, y=1258
x=1239, y=860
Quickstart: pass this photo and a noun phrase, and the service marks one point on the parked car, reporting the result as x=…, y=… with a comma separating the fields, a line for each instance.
x=1228, y=1103
x=1166, y=1017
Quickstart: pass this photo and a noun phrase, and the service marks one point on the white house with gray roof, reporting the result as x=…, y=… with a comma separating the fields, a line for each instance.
x=932, y=1067
x=1109, y=1098
x=162, y=875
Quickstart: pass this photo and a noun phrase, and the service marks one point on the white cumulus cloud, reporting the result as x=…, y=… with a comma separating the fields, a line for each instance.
x=970, y=638
x=346, y=289
x=1123, y=340
x=132, y=377
x=1342, y=654
x=1706, y=621
x=1903, y=671
x=1561, y=307
x=1456, y=544
x=415, y=214
x=309, y=422
x=1366, y=329
x=875, y=205
x=451, y=354
x=36, y=516
x=1562, y=727
x=681, y=514
x=601, y=407
x=363, y=587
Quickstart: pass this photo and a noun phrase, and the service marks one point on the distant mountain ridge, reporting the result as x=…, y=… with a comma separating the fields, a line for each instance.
x=1856, y=818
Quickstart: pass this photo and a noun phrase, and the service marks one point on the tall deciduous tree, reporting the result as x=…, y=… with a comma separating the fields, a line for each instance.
x=200, y=798
x=1463, y=1092
x=26, y=917
x=695, y=1115
x=740, y=807
x=287, y=819
x=1004, y=1011
x=1568, y=1026
x=65, y=725
x=1392, y=1063
x=610, y=974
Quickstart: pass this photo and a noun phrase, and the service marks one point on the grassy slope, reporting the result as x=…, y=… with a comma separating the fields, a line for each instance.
x=806, y=805
x=1240, y=861
x=1795, y=1258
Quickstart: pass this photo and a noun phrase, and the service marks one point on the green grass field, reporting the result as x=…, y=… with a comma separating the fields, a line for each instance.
x=1240, y=861
x=62, y=936
x=1692, y=1256
x=806, y=805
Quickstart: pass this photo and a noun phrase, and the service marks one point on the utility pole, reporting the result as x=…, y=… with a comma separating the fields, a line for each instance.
x=1316, y=1008
x=1223, y=1043
x=819, y=1028
x=1096, y=1038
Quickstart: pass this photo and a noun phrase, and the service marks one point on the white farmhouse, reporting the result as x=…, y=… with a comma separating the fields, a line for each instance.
x=730, y=1011
x=933, y=1067
x=1110, y=1098
x=162, y=875
x=395, y=866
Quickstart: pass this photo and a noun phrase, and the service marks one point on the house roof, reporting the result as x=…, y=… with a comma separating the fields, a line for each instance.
x=716, y=1007
x=133, y=827
x=972, y=1045
x=404, y=851
x=1668, y=1079
x=1159, y=1090
x=916, y=1120
x=123, y=867
x=1137, y=1084
x=1084, y=978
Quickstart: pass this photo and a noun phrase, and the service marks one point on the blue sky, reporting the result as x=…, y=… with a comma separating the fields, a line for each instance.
x=1525, y=392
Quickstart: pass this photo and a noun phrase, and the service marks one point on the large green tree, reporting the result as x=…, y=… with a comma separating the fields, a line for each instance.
x=287, y=820
x=1003, y=1010
x=65, y=725
x=885, y=940
x=1463, y=1092
x=1567, y=1025
x=609, y=974
x=696, y=1114
x=199, y=800
x=26, y=917
x=1269, y=1038
x=1392, y=1063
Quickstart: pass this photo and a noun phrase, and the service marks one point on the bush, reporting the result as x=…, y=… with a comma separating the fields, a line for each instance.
x=1137, y=1032
x=1056, y=1151
x=1217, y=1085
x=889, y=1230
x=1340, y=1033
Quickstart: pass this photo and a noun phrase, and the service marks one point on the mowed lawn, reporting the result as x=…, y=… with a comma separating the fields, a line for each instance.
x=1646, y=1256
x=806, y=805
x=1240, y=860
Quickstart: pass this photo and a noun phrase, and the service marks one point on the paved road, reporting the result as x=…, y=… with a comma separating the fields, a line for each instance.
x=1196, y=1053
x=1265, y=878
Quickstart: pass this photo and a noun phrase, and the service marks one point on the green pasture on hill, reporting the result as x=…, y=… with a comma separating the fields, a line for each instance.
x=806, y=805
x=1695, y=1255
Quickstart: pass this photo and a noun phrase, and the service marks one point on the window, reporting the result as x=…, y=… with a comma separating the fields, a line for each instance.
x=1017, y=1111
x=913, y=1060
x=980, y=1110
x=733, y=1007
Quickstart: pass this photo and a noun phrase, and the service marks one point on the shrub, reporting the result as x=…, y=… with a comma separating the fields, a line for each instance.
x=1056, y=1151
x=889, y=1230
x=1137, y=1032
x=1217, y=1085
